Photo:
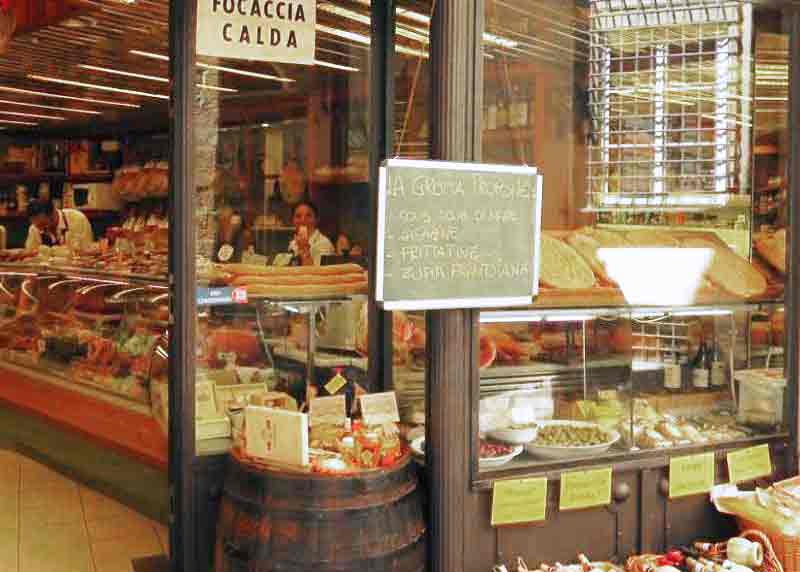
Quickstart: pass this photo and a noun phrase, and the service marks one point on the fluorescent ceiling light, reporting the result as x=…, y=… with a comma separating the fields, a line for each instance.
x=35, y=115
x=71, y=98
x=217, y=88
x=151, y=77
x=124, y=73
x=362, y=39
x=150, y=55
x=265, y=125
x=17, y=122
x=335, y=66
x=164, y=58
x=245, y=72
x=96, y=86
x=54, y=107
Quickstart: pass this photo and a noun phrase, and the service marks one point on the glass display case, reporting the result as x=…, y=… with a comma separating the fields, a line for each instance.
x=94, y=331
x=659, y=324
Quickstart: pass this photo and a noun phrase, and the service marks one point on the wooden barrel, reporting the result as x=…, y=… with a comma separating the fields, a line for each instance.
x=278, y=521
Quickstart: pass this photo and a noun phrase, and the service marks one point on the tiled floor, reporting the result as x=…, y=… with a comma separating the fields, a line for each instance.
x=49, y=523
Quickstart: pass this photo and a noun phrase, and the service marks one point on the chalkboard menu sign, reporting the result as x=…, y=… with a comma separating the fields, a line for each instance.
x=457, y=235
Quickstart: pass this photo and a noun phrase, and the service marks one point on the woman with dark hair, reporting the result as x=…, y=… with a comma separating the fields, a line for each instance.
x=309, y=244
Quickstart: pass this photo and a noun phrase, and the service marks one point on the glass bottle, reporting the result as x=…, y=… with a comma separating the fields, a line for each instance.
x=717, y=367
x=700, y=372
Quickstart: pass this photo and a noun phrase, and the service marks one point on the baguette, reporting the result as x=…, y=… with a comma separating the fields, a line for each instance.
x=256, y=270
x=295, y=280
x=306, y=292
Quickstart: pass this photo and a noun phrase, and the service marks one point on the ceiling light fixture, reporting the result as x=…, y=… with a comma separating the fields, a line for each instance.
x=245, y=72
x=35, y=115
x=17, y=122
x=124, y=73
x=335, y=66
x=236, y=71
x=217, y=88
x=150, y=55
x=71, y=98
x=54, y=107
x=96, y=86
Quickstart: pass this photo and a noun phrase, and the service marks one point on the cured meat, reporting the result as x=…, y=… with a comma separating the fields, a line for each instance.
x=507, y=347
x=488, y=352
x=562, y=267
x=730, y=271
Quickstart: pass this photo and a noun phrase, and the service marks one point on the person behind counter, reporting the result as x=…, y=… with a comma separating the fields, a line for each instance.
x=57, y=227
x=309, y=244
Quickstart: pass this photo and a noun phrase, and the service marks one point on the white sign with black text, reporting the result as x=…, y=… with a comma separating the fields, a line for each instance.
x=263, y=30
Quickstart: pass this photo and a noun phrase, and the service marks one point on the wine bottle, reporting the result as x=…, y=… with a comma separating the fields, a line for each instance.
x=700, y=372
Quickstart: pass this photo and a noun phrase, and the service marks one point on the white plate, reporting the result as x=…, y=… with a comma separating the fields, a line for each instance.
x=514, y=436
x=418, y=450
x=554, y=452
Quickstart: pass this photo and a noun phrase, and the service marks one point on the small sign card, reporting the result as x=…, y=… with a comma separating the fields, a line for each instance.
x=749, y=464
x=519, y=501
x=380, y=408
x=205, y=402
x=691, y=475
x=277, y=435
x=327, y=410
x=585, y=489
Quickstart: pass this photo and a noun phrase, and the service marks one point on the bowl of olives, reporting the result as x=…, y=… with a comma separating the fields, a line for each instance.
x=570, y=439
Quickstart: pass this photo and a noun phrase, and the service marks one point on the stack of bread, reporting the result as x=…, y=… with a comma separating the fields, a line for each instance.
x=297, y=282
x=138, y=183
x=570, y=263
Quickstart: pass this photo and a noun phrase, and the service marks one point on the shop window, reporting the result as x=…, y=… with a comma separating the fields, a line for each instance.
x=660, y=130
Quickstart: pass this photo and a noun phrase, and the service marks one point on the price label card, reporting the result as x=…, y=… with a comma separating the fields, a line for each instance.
x=327, y=410
x=585, y=489
x=748, y=464
x=691, y=475
x=336, y=383
x=519, y=501
x=380, y=408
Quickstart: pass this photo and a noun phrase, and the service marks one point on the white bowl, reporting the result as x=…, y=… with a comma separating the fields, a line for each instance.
x=560, y=452
x=514, y=436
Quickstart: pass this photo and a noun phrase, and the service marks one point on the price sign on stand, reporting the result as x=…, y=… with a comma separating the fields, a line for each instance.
x=519, y=501
x=457, y=235
x=749, y=464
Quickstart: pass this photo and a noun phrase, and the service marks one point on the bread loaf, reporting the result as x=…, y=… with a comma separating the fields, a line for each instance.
x=647, y=237
x=562, y=267
x=772, y=248
x=256, y=270
x=730, y=271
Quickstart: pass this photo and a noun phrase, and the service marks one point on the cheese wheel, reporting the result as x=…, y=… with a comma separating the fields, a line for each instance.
x=730, y=271
x=561, y=267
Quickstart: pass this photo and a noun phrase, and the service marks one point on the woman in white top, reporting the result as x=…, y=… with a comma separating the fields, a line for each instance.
x=57, y=227
x=309, y=244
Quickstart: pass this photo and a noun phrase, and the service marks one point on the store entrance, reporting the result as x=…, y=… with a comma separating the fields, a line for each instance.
x=84, y=313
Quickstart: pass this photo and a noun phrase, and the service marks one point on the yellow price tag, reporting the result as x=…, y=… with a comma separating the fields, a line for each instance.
x=336, y=383
x=692, y=475
x=585, y=489
x=519, y=501
x=748, y=464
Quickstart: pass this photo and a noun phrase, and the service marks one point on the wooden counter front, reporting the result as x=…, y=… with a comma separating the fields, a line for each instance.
x=123, y=429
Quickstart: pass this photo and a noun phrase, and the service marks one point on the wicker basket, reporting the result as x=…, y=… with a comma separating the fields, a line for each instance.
x=781, y=553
